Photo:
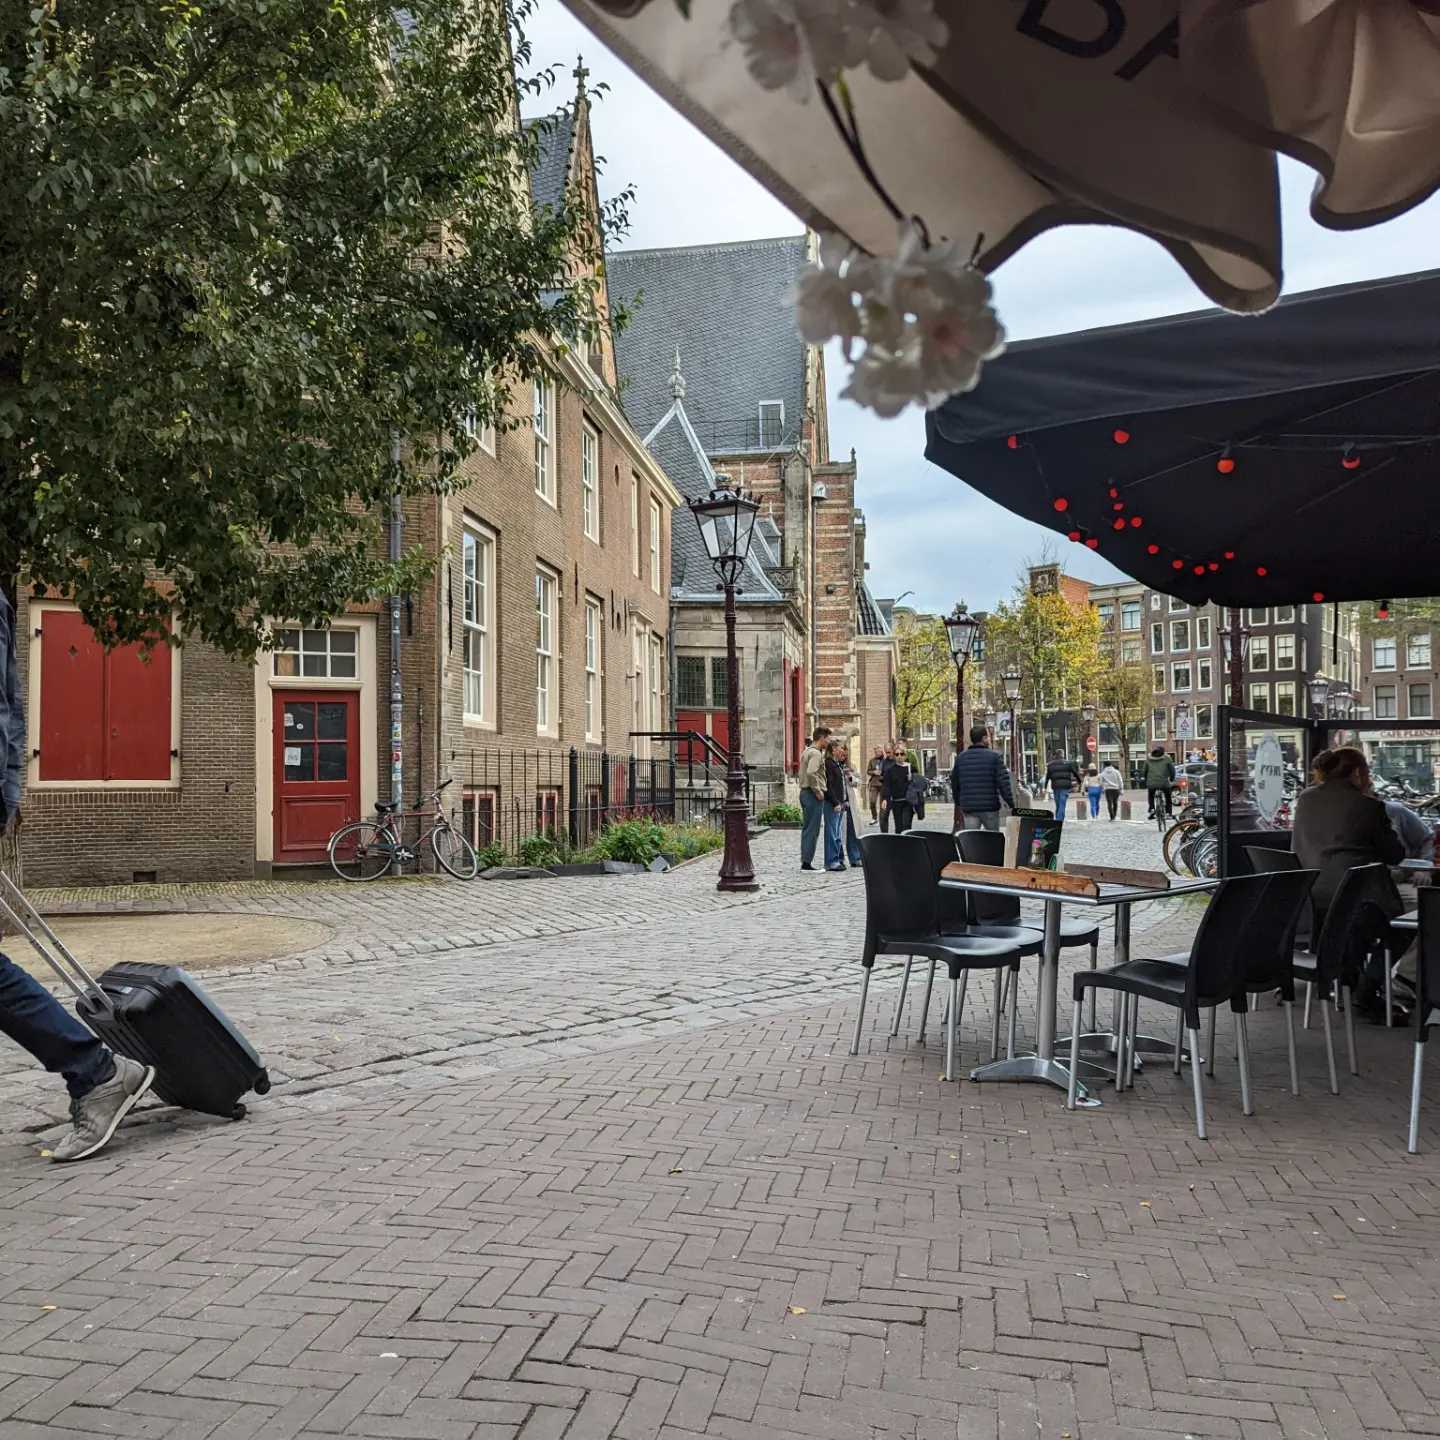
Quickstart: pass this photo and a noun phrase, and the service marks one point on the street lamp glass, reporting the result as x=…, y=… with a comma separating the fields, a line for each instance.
x=726, y=519
x=1319, y=691
x=962, y=628
x=1012, y=685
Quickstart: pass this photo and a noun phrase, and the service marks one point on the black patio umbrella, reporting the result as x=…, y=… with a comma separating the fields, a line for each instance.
x=1279, y=459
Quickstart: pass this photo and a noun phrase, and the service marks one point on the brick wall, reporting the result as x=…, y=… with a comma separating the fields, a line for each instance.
x=836, y=687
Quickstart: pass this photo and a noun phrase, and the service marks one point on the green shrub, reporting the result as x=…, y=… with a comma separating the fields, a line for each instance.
x=492, y=856
x=914, y=761
x=684, y=842
x=541, y=850
x=636, y=841
x=780, y=814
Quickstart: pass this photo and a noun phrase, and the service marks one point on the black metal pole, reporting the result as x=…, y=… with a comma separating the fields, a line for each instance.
x=1237, y=659
x=737, y=870
x=960, y=704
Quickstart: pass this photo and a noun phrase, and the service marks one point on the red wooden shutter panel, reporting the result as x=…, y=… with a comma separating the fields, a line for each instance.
x=72, y=699
x=138, y=723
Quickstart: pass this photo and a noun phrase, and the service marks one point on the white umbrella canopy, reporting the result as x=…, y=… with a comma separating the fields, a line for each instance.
x=1163, y=116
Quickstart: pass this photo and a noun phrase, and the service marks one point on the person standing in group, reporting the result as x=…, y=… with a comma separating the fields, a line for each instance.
x=840, y=841
x=886, y=765
x=1159, y=781
x=1092, y=791
x=875, y=781
x=897, y=791
x=1063, y=778
x=854, y=815
x=812, y=795
x=980, y=784
x=1112, y=784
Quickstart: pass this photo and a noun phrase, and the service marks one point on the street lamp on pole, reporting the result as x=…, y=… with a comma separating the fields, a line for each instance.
x=1320, y=691
x=1236, y=641
x=726, y=518
x=1012, y=694
x=963, y=631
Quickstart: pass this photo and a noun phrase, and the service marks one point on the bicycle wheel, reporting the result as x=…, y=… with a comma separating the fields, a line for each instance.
x=362, y=851
x=1205, y=857
x=1175, y=838
x=454, y=851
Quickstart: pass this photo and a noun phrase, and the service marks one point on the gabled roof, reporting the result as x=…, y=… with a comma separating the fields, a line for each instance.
x=550, y=169
x=871, y=618
x=728, y=308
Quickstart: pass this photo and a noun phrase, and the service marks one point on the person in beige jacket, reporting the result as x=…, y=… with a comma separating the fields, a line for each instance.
x=812, y=795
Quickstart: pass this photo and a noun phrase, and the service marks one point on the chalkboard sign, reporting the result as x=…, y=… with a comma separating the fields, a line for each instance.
x=1032, y=840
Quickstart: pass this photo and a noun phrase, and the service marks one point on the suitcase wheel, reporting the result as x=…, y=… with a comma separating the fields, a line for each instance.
x=262, y=1085
x=238, y=1113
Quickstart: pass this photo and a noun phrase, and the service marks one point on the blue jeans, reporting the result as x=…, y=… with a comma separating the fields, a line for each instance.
x=840, y=837
x=811, y=809
x=1093, y=791
x=33, y=1018
x=1062, y=798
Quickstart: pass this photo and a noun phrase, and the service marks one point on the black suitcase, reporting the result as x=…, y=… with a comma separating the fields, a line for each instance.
x=156, y=1014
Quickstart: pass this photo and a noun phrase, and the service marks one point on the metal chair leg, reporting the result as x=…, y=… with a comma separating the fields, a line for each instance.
x=1094, y=965
x=1210, y=1054
x=1329, y=1043
x=925, y=1004
x=1412, y=1145
x=957, y=999
x=1290, y=1041
x=1197, y=1082
x=1350, y=1029
x=1075, y=1061
x=1012, y=984
x=900, y=1003
x=1309, y=996
x=1001, y=983
x=1132, y=1028
x=1180, y=1039
x=1388, y=1021
x=1242, y=1053
x=860, y=1018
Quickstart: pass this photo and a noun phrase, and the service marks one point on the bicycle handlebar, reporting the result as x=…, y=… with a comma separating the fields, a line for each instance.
x=421, y=802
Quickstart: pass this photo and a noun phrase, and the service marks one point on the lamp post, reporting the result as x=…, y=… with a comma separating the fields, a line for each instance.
x=963, y=632
x=1012, y=694
x=1087, y=716
x=1320, y=691
x=1236, y=642
x=726, y=518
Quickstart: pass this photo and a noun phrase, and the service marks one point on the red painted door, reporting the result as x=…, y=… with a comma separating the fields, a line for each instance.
x=317, y=770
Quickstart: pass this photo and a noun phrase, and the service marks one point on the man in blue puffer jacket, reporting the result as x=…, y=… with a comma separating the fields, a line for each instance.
x=980, y=784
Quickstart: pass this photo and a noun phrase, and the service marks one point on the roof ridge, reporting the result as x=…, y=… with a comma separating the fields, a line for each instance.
x=707, y=248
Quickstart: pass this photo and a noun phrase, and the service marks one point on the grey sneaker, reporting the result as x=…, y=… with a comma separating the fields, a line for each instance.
x=97, y=1116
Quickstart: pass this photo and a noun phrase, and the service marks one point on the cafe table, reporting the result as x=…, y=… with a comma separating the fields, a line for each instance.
x=1041, y=1064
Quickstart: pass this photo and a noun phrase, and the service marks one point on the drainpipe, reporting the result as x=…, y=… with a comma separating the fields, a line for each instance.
x=397, y=695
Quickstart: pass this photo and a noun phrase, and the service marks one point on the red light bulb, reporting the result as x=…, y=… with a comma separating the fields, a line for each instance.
x=1212, y=566
x=1177, y=564
x=1118, y=525
x=1121, y=437
x=1225, y=465
x=1318, y=596
x=1261, y=570
x=1061, y=504
x=1351, y=462
x=1382, y=613
x=1073, y=535
x=1229, y=554
x=1114, y=493
x=1013, y=441
x=1093, y=543
x=1118, y=505
x=1136, y=521
x=1199, y=569
x=1152, y=549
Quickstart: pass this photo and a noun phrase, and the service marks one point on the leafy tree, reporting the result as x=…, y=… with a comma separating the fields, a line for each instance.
x=244, y=245
x=1122, y=694
x=925, y=673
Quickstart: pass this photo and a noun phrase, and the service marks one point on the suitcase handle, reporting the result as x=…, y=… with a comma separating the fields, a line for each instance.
x=16, y=907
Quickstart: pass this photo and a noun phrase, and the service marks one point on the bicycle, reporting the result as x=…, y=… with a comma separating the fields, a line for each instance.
x=366, y=849
x=1175, y=836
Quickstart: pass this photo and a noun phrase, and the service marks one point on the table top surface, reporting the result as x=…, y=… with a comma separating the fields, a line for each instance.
x=1109, y=894
x=1410, y=920
x=1416, y=865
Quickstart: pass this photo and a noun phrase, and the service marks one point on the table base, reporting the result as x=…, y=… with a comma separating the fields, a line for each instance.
x=1035, y=1069
x=1104, y=1042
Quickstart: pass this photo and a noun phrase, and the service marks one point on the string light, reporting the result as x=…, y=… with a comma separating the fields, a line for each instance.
x=1136, y=521
x=1318, y=597
x=1177, y=564
x=1061, y=504
x=1121, y=437
x=1074, y=535
x=1383, y=613
x=1225, y=464
x=1261, y=571
x=1118, y=524
x=1152, y=549
x=1093, y=543
x=1013, y=441
x=1349, y=459
x=1229, y=554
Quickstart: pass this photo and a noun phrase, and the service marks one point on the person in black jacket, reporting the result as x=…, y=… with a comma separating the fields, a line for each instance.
x=836, y=800
x=897, y=792
x=980, y=784
x=1063, y=777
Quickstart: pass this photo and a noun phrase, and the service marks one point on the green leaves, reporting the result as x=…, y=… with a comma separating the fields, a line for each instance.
x=220, y=295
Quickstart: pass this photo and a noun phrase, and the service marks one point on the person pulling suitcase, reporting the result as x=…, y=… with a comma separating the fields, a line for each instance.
x=104, y=1087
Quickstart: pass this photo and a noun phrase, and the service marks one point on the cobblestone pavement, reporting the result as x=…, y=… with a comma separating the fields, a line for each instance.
x=740, y=1232
x=427, y=982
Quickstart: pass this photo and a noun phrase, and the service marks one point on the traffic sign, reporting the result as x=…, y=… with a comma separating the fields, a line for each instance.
x=1090, y=743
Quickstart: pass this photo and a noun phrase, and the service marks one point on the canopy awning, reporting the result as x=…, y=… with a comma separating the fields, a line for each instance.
x=1284, y=458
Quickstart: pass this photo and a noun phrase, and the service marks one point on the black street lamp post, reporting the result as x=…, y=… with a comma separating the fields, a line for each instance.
x=1012, y=694
x=1320, y=695
x=726, y=518
x=963, y=631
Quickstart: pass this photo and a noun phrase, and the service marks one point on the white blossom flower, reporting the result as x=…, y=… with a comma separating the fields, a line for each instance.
x=825, y=307
x=774, y=48
x=899, y=32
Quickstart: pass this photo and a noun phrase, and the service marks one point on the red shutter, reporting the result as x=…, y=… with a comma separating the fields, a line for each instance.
x=72, y=699
x=138, y=696
x=785, y=710
x=720, y=729
x=687, y=752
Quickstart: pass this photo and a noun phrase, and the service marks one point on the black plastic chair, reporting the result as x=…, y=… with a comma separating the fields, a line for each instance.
x=957, y=917
x=1249, y=914
x=902, y=918
x=987, y=847
x=1427, y=1000
x=1266, y=861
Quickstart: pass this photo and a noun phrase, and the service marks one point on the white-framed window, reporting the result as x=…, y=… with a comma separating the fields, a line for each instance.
x=654, y=684
x=590, y=481
x=1105, y=613
x=1385, y=707
x=1159, y=723
x=1180, y=675
x=1259, y=657
x=1285, y=697
x=1157, y=677
x=1129, y=614
x=1157, y=639
x=594, y=671
x=477, y=568
x=1130, y=650
x=545, y=440
x=1284, y=652
x=1285, y=614
x=655, y=528
x=1418, y=699
x=478, y=808
x=1382, y=652
x=772, y=422
x=927, y=730
x=1257, y=616
x=1179, y=635
x=1260, y=696
x=1202, y=632
x=547, y=699
x=1204, y=673
x=1154, y=599
x=1177, y=604
x=635, y=523
x=1204, y=722
x=328, y=654
x=1417, y=651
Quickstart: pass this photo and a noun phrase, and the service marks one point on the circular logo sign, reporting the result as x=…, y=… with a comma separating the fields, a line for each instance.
x=1090, y=743
x=1267, y=776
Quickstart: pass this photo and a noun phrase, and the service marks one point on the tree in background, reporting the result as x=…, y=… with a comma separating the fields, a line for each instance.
x=926, y=672
x=1122, y=695
x=243, y=246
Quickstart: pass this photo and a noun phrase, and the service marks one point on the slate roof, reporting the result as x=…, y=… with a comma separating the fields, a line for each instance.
x=728, y=309
x=551, y=167
x=872, y=619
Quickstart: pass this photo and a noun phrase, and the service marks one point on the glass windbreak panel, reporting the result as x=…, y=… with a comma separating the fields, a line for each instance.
x=1404, y=762
x=1268, y=758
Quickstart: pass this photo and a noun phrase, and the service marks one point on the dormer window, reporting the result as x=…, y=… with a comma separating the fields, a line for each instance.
x=772, y=421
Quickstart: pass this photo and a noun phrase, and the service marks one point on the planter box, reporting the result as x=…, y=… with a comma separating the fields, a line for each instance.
x=598, y=867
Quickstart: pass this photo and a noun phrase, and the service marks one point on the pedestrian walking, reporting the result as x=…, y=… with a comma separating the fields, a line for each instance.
x=840, y=842
x=892, y=750
x=1159, y=781
x=1092, y=791
x=104, y=1087
x=897, y=793
x=980, y=784
x=875, y=781
x=812, y=795
x=1112, y=784
x=1063, y=777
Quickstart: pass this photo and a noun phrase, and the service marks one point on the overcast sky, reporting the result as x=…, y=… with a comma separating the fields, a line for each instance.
x=928, y=532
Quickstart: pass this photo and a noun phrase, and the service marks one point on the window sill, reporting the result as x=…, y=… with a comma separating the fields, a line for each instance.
x=475, y=722
x=548, y=499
